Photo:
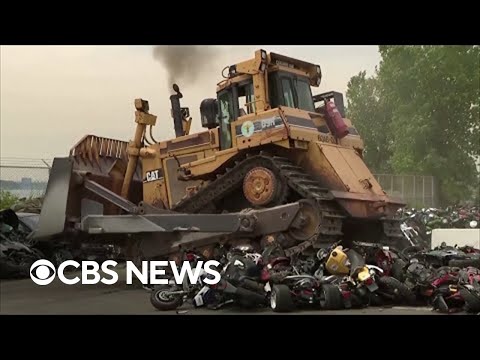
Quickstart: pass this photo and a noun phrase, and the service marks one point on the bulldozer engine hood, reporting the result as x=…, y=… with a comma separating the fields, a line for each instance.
x=352, y=183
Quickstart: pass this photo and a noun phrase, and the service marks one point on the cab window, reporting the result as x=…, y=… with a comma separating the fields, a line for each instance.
x=287, y=89
x=304, y=95
x=290, y=90
x=225, y=117
x=246, y=99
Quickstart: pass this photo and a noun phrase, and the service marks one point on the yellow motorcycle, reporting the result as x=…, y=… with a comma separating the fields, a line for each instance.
x=348, y=263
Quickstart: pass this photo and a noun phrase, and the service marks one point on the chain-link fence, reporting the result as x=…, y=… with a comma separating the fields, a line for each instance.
x=415, y=190
x=24, y=178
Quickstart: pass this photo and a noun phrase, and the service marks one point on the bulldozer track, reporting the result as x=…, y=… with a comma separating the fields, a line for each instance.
x=294, y=177
x=298, y=181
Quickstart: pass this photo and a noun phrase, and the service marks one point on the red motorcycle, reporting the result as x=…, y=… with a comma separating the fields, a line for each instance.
x=470, y=289
x=446, y=295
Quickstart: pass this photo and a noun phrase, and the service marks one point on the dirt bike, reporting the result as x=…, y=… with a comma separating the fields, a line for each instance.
x=419, y=279
x=291, y=285
x=447, y=297
x=470, y=289
x=171, y=296
x=391, y=261
x=390, y=290
x=242, y=282
x=349, y=264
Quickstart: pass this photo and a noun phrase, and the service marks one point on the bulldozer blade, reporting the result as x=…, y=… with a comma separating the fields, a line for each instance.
x=268, y=221
x=53, y=213
x=153, y=245
x=258, y=222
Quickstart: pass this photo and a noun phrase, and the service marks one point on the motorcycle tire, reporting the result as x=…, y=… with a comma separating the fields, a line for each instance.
x=376, y=300
x=472, y=301
x=162, y=301
x=281, y=299
x=398, y=270
x=402, y=294
x=464, y=263
x=331, y=297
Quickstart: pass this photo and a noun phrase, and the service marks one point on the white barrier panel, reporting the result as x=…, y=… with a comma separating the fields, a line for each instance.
x=460, y=237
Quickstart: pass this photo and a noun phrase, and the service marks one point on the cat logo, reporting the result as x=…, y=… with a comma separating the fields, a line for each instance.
x=248, y=128
x=153, y=175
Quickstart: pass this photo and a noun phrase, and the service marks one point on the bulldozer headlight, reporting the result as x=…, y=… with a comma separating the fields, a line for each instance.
x=318, y=69
x=263, y=54
x=473, y=224
x=263, y=66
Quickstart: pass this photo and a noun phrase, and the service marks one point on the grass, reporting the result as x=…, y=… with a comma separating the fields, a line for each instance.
x=7, y=199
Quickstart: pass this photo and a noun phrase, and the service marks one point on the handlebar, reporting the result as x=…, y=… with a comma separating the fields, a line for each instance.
x=322, y=253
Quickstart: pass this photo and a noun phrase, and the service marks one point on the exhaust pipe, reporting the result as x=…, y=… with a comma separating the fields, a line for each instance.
x=177, y=111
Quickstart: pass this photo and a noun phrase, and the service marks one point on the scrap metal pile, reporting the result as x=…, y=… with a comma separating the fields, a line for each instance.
x=334, y=278
x=18, y=251
x=418, y=224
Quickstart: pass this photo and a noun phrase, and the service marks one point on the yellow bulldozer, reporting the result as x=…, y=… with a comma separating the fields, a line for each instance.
x=273, y=160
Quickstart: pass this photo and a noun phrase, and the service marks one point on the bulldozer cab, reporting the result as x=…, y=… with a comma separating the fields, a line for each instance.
x=290, y=90
x=258, y=85
x=234, y=102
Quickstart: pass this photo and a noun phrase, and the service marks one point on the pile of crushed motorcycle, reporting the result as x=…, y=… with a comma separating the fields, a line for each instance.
x=18, y=251
x=333, y=278
x=417, y=224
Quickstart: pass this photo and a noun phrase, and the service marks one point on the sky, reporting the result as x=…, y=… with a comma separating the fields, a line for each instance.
x=51, y=96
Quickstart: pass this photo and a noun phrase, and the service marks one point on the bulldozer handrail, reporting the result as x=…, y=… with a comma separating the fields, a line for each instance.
x=253, y=102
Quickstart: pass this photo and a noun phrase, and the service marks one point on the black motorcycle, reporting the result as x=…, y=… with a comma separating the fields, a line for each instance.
x=241, y=281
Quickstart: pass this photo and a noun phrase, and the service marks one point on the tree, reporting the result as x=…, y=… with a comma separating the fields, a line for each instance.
x=367, y=108
x=430, y=98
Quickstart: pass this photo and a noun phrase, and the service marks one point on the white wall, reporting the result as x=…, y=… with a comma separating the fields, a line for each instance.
x=460, y=237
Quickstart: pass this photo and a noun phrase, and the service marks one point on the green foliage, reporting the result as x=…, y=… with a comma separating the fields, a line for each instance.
x=7, y=199
x=419, y=114
x=370, y=113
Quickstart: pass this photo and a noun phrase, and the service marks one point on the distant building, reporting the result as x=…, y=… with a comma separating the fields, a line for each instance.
x=26, y=183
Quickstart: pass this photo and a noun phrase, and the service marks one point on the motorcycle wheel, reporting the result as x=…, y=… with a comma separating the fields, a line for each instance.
x=464, y=263
x=401, y=293
x=160, y=299
x=331, y=297
x=472, y=302
x=376, y=300
x=281, y=299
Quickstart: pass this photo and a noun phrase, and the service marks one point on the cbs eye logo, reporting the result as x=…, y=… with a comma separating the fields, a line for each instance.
x=42, y=272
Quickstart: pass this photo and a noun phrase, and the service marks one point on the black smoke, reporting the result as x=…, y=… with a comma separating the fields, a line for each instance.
x=185, y=64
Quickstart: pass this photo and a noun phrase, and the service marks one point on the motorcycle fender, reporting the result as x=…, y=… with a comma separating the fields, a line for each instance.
x=198, y=299
x=363, y=274
x=375, y=268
